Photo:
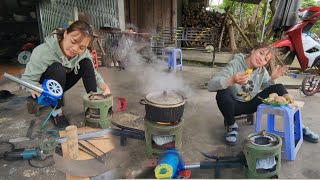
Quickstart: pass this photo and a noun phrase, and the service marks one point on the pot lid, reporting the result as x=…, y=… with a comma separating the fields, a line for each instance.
x=165, y=98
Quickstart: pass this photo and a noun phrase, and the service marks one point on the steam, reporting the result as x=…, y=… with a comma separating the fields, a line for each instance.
x=152, y=74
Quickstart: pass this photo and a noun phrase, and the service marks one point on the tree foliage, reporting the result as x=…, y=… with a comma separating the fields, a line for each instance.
x=307, y=3
x=251, y=18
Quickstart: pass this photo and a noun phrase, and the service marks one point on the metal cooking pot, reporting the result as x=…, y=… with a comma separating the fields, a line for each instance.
x=164, y=106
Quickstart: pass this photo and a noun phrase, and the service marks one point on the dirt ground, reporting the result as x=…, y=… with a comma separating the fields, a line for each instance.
x=203, y=127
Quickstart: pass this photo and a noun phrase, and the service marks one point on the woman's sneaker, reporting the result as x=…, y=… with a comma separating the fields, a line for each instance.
x=231, y=138
x=60, y=121
x=309, y=135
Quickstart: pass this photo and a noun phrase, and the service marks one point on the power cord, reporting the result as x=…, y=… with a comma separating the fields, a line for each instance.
x=9, y=143
x=36, y=166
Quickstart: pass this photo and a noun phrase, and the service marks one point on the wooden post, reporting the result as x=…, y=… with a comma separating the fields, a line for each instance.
x=233, y=44
x=72, y=142
x=222, y=28
x=239, y=29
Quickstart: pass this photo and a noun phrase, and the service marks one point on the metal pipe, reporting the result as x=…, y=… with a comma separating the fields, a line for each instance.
x=23, y=83
x=264, y=21
x=87, y=135
x=240, y=18
x=192, y=165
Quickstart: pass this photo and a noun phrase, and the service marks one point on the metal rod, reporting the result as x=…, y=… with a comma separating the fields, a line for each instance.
x=82, y=149
x=264, y=21
x=89, y=151
x=87, y=135
x=240, y=17
x=94, y=146
x=23, y=83
x=192, y=165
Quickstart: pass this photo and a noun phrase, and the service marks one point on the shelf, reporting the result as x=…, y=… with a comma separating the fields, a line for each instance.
x=18, y=22
x=13, y=41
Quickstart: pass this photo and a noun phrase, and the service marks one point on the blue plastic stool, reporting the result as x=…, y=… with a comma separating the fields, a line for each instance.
x=172, y=58
x=292, y=126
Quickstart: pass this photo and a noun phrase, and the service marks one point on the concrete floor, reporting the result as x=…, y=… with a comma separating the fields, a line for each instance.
x=203, y=128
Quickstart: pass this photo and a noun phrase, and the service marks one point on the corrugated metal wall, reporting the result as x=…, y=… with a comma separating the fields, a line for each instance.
x=100, y=13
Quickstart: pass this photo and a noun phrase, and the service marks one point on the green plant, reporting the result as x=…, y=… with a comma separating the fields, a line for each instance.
x=307, y=3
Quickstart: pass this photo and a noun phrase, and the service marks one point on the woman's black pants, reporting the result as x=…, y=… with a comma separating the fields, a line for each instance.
x=230, y=107
x=67, y=80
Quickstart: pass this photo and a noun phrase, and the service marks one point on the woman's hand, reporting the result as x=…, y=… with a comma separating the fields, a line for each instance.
x=105, y=89
x=239, y=78
x=35, y=94
x=278, y=71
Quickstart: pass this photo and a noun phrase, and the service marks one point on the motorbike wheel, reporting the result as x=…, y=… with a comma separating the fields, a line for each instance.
x=310, y=85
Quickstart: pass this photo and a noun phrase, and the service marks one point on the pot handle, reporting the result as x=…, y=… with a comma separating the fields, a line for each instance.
x=143, y=102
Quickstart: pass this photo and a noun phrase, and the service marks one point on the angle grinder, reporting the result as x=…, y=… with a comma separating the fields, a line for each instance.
x=26, y=154
x=42, y=152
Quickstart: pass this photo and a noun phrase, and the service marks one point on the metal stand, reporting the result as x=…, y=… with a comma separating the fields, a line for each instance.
x=103, y=108
x=153, y=128
x=126, y=132
x=219, y=163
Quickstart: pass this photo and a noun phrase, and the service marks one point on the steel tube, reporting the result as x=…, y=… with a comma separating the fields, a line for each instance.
x=264, y=21
x=192, y=165
x=23, y=83
x=87, y=135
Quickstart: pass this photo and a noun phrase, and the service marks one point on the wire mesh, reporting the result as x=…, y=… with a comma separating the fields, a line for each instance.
x=56, y=13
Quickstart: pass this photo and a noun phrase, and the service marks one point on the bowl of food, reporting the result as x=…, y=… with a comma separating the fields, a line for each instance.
x=276, y=100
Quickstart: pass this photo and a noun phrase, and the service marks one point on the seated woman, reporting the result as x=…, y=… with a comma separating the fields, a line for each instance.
x=65, y=58
x=238, y=91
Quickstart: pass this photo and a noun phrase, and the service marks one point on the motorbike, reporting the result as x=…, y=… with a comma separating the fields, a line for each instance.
x=304, y=44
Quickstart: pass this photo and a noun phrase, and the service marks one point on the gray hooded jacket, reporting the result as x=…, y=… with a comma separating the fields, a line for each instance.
x=46, y=54
x=259, y=79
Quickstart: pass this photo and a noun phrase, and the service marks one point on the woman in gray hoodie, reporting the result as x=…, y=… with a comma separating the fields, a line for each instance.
x=238, y=92
x=65, y=58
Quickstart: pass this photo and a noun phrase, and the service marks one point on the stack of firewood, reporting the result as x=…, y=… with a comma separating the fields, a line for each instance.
x=195, y=16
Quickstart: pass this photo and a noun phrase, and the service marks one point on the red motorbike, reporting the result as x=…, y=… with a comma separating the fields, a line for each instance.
x=304, y=44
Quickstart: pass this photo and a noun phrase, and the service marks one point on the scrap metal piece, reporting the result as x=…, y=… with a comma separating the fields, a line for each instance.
x=87, y=135
x=90, y=167
x=95, y=146
x=92, y=153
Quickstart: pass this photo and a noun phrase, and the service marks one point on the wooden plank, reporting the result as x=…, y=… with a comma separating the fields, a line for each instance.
x=157, y=13
x=127, y=11
x=148, y=11
x=174, y=13
x=166, y=13
x=143, y=13
x=104, y=143
x=134, y=12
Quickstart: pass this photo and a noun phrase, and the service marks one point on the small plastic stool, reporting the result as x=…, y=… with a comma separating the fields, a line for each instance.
x=292, y=126
x=248, y=117
x=121, y=104
x=172, y=58
x=95, y=59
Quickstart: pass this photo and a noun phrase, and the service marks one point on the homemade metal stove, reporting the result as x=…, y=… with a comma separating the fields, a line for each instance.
x=98, y=110
x=160, y=136
x=163, y=121
x=98, y=114
x=263, y=155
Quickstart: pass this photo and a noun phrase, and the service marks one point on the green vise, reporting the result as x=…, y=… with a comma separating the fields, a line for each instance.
x=263, y=155
x=98, y=110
